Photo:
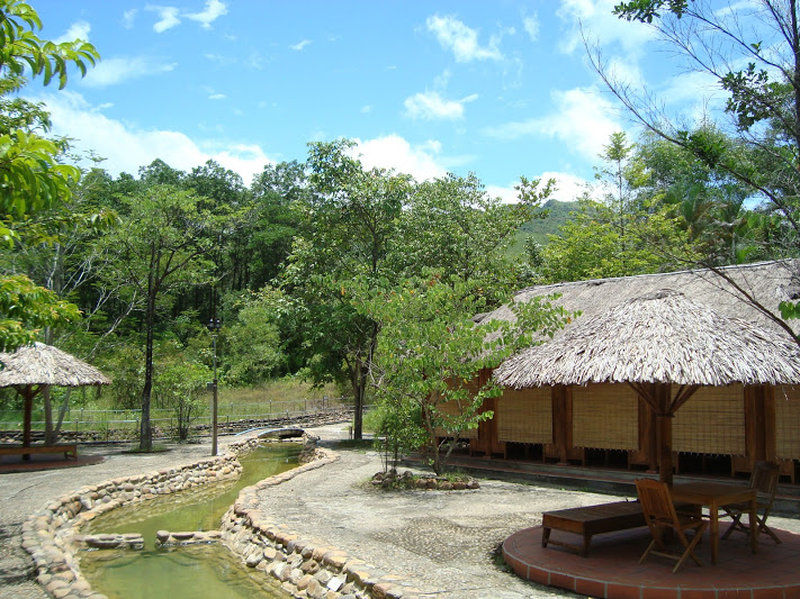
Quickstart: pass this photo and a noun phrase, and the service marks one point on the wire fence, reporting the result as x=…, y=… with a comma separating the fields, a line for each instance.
x=108, y=423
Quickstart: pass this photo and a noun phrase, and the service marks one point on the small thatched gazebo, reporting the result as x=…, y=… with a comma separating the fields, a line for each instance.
x=655, y=343
x=32, y=368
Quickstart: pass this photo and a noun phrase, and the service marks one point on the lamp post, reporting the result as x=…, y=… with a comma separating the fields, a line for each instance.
x=213, y=326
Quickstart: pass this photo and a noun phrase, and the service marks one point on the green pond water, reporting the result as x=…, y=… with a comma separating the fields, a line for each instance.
x=190, y=572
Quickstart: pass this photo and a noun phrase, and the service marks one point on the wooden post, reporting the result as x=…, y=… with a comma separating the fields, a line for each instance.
x=27, y=394
x=664, y=432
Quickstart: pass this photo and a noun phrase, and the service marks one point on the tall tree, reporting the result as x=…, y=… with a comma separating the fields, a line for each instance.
x=159, y=250
x=349, y=231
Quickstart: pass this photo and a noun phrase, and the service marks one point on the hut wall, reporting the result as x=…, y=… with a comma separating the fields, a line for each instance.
x=605, y=416
x=787, y=423
x=452, y=408
x=711, y=421
x=525, y=416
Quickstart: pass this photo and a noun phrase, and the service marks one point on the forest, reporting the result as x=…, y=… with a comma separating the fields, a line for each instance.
x=329, y=272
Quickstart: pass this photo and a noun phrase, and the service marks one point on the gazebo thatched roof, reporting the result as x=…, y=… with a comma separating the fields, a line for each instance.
x=660, y=337
x=41, y=364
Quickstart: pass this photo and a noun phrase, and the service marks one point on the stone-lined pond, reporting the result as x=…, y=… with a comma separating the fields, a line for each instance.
x=191, y=572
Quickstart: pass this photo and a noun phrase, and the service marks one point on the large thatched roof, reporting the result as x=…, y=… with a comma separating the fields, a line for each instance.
x=41, y=364
x=769, y=282
x=661, y=337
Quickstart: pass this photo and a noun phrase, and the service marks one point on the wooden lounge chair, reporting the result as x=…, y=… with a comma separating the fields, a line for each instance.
x=660, y=516
x=764, y=479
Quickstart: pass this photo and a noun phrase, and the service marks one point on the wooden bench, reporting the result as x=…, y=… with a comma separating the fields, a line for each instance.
x=70, y=450
x=591, y=520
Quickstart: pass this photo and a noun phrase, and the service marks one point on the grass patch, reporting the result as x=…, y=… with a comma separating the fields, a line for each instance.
x=362, y=444
x=157, y=448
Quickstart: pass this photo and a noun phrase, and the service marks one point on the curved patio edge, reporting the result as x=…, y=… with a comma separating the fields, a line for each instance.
x=612, y=571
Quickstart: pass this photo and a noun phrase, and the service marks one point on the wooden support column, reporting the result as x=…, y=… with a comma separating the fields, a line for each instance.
x=664, y=415
x=27, y=396
x=560, y=421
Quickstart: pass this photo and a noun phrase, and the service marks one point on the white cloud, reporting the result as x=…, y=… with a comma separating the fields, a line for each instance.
x=167, y=17
x=584, y=121
x=79, y=30
x=366, y=109
x=431, y=106
x=214, y=10
x=127, y=147
x=531, y=24
x=394, y=152
x=300, y=45
x=217, y=96
x=598, y=20
x=462, y=40
x=128, y=17
x=116, y=70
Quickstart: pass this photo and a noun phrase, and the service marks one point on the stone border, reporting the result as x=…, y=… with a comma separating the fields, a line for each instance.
x=305, y=567
x=50, y=535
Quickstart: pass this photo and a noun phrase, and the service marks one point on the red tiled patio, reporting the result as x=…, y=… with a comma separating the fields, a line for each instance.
x=612, y=571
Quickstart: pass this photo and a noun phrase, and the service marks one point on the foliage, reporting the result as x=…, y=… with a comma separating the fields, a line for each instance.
x=31, y=176
x=25, y=308
x=430, y=357
x=252, y=342
x=179, y=385
x=751, y=52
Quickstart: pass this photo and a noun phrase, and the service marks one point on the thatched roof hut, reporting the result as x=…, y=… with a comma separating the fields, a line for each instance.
x=660, y=337
x=32, y=368
x=651, y=343
x=41, y=364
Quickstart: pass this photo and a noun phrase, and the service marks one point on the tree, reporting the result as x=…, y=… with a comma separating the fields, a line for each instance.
x=630, y=231
x=159, y=250
x=453, y=226
x=752, y=51
x=31, y=177
x=349, y=230
x=429, y=356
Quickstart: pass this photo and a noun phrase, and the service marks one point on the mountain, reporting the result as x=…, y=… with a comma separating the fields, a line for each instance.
x=540, y=228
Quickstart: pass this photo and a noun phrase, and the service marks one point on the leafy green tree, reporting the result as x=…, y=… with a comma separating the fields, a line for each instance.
x=455, y=227
x=349, y=231
x=159, y=250
x=31, y=177
x=429, y=356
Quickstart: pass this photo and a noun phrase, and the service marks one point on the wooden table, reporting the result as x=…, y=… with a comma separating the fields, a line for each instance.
x=714, y=496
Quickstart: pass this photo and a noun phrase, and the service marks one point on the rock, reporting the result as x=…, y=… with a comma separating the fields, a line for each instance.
x=335, y=583
x=254, y=559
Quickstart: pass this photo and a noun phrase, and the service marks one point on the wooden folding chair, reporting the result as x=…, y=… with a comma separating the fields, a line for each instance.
x=765, y=480
x=660, y=515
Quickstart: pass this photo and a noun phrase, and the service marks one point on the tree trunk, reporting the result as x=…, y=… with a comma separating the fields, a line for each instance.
x=358, y=380
x=62, y=412
x=145, y=431
x=50, y=436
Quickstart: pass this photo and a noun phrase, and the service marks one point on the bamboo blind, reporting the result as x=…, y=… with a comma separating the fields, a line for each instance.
x=525, y=416
x=605, y=417
x=787, y=422
x=711, y=421
x=451, y=407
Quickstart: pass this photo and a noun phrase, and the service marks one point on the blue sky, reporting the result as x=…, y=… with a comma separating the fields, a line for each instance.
x=499, y=88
